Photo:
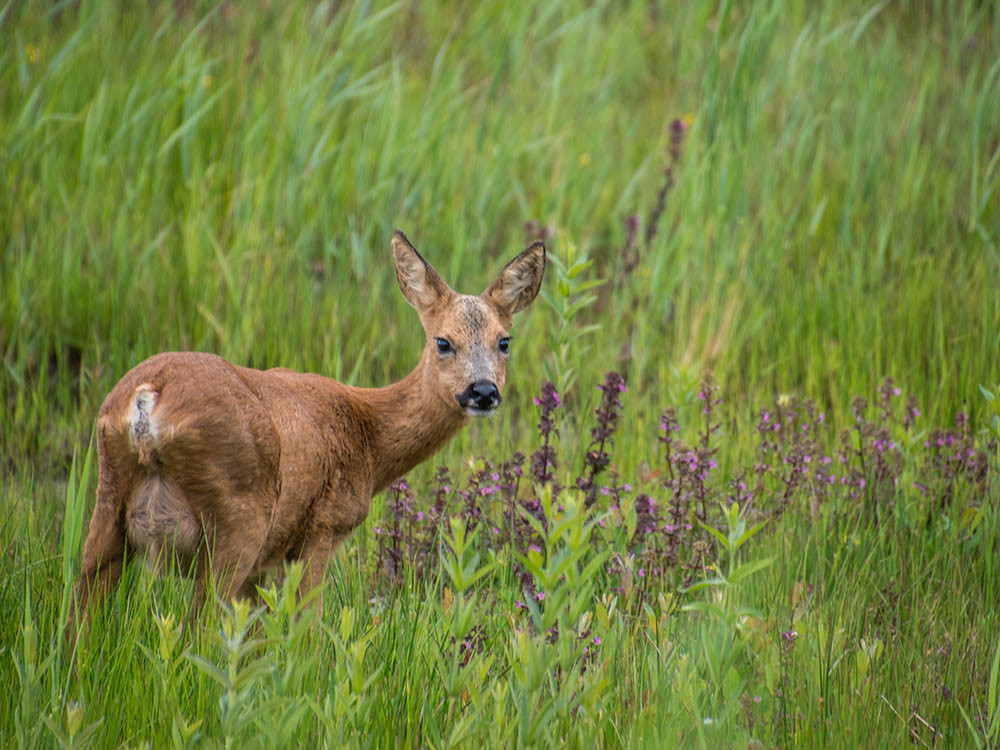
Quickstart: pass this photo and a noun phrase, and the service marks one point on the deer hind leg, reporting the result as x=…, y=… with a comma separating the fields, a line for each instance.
x=230, y=578
x=103, y=553
x=230, y=558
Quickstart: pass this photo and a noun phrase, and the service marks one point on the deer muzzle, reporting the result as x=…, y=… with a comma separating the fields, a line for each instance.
x=481, y=397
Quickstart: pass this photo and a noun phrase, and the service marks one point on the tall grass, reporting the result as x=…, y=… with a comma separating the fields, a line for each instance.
x=226, y=178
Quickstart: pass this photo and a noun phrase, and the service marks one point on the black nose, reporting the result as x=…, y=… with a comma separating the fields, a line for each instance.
x=481, y=395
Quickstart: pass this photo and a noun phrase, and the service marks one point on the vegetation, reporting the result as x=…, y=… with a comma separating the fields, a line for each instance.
x=800, y=198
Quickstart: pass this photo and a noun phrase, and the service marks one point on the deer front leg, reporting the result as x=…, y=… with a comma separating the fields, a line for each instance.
x=317, y=549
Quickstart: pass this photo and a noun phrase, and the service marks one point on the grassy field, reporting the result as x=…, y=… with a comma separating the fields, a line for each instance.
x=799, y=198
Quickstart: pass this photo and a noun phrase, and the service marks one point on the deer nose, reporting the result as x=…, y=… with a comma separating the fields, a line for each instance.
x=481, y=395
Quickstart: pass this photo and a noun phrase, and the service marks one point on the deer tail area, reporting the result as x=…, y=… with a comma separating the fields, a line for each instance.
x=143, y=429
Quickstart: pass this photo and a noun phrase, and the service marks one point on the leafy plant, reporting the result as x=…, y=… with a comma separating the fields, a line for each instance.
x=721, y=644
x=245, y=664
x=571, y=296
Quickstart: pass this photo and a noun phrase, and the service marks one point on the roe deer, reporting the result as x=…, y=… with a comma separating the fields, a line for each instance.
x=246, y=468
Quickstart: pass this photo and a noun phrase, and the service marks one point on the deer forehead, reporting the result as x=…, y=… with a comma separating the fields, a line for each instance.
x=470, y=320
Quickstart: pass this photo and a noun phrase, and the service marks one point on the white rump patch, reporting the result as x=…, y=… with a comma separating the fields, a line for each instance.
x=144, y=432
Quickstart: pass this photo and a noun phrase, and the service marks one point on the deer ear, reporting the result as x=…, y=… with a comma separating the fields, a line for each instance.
x=420, y=283
x=519, y=281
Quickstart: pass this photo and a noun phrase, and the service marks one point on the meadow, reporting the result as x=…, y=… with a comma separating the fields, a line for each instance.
x=743, y=488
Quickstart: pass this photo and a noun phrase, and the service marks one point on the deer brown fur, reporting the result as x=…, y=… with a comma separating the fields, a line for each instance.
x=235, y=470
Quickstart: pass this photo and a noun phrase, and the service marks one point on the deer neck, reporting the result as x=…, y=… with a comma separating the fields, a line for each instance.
x=409, y=422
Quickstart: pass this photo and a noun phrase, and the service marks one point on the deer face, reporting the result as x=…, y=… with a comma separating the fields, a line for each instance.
x=465, y=357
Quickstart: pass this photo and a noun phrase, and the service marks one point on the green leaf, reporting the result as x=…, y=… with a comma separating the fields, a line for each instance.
x=252, y=673
x=594, y=566
x=704, y=583
x=210, y=669
x=748, y=569
x=749, y=533
x=191, y=121
x=485, y=570
x=709, y=607
x=723, y=540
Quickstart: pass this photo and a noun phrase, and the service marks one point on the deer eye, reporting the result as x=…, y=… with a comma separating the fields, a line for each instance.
x=504, y=344
x=444, y=346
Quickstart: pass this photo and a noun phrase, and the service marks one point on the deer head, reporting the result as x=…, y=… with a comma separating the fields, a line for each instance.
x=468, y=344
